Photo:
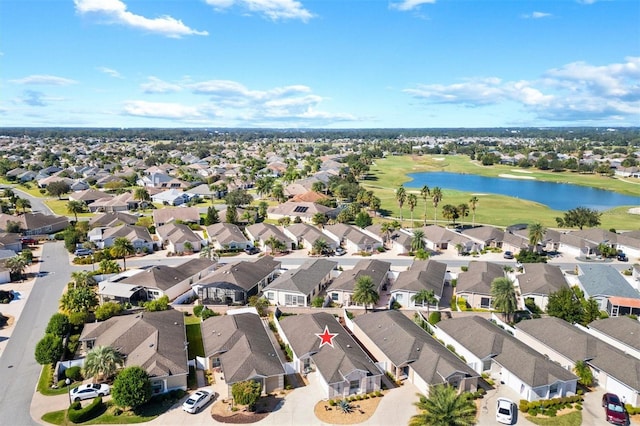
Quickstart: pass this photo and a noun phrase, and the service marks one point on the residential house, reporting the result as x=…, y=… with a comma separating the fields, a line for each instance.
x=352, y=238
x=620, y=332
x=428, y=275
x=234, y=283
x=298, y=287
x=484, y=237
x=79, y=185
x=171, y=197
x=342, y=288
x=438, y=238
x=613, y=370
x=139, y=237
x=5, y=273
x=306, y=235
x=399, y=241
x=35, y=223
x=239, y=345
x=407, y=352
x=550, y=240
x=161, y=180
x=342, y=368
x=178, y=238
x=169, y=214
x=302, y=209
x=474, y=285
x=227, y=236
x=538, y=281
x=88, y=196
x=260, y=233
x=119, y=203
x=108, y=220
x=153, y=341
x=10, y=241
x=489, y=349
x=609, y=288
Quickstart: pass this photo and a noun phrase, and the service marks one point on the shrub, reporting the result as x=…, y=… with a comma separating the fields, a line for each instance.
x=108, y=310
x=524, y=405
x=197, y=310
x=332, y=402
x=58, y=325
x=378, y=393
x=344, y=406
x=435, y=317
x=74, y=373
x=77, y=414
x=246, y=393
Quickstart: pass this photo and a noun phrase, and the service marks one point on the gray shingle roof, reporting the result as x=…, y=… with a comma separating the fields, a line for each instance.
x=486, y=340
x=153, y=341
x=404, y=342
x=333, y=363
x=623, y=329
x=226, y=233
x=541, y=278
x=603, y=280
x=376, y=269
x=305, y=278
x=578, y=345
x=243, y=346
x=242, y=275
x=423, y=275
x=158, y=276
x=478, y=278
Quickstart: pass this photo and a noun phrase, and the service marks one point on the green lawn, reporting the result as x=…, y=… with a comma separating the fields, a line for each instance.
x=194, y=337
x=571, y=419
x=46, y=375
x=146, y=414
x=389, y=173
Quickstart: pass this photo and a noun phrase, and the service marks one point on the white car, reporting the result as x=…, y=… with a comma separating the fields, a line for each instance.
x=196, y=401
x=505, y=411
x=90, y=390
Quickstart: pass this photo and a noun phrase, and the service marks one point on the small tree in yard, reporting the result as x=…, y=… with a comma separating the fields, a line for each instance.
x=161, y=304
x=261, y=304
x=246, y=393
x=583, y=371
x=131, y=388
x=58, y=325
x=108, y=310
x=49, y=349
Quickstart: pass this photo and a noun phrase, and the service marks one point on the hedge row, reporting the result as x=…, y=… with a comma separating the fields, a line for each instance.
x=555, y=403
x=77, y=414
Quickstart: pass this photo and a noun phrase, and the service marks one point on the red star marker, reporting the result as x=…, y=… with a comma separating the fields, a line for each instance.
x=326, y=337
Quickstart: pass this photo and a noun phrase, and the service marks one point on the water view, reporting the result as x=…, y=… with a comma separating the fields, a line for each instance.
x=558, y=196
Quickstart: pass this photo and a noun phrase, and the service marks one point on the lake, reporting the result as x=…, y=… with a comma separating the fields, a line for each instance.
x=558, y=196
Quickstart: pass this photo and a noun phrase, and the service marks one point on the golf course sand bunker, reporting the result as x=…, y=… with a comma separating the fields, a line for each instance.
x=507, y=175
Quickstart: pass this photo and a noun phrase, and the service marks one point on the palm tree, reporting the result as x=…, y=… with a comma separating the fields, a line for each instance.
x=401, y=197
x=273, y=243
x=23, y=203
x=277, y=192
x=320, y=246
x=83, y=278
x=74, y=207
x=102, y=362
x=504, y=296
x=473, y=203
x=424, y=296
x=444, y=407
x=536, y=234
x=142, y=195
x=318, y=186
x=436, y=197
x=463, y=210
x=425, y=192
x=107, y=266
x=412, y=201
x=387, y=228
x=16, y=265
x=122, y=247
x=209, y=252
x=417, y=241
x=365, y=292
x=584, y=373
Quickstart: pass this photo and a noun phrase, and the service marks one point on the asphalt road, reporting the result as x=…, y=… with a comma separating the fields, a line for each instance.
x=19, y=371
x=37, y=203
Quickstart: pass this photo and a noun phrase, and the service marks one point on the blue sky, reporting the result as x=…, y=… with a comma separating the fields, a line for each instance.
x=319, y=63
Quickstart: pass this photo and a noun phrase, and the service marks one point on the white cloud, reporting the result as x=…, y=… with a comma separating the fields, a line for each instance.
x=49, y=80
x=162, y=110
x=156, y=85
x=231, y=103
x=117, y=12
x=574, y=92
x=111, y=72
x=537, y=15
x=273, y=9
x=406, y=5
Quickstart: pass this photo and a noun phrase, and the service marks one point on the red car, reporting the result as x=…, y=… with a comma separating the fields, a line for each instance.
x=614, y=410
x=28, y=241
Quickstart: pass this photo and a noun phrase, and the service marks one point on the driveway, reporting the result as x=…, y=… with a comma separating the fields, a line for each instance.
x=19, y=371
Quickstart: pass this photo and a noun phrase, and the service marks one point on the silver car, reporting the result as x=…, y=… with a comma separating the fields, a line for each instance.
x=196, y=401
x=90, y=390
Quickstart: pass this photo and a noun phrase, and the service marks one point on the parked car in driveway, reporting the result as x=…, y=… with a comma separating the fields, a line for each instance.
x=508, y=255
x=196, y=401
x=89, y=390
x=614, y=410
x=340, y=251
x=505, y=411
x=251, y=250
x=83, y=252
